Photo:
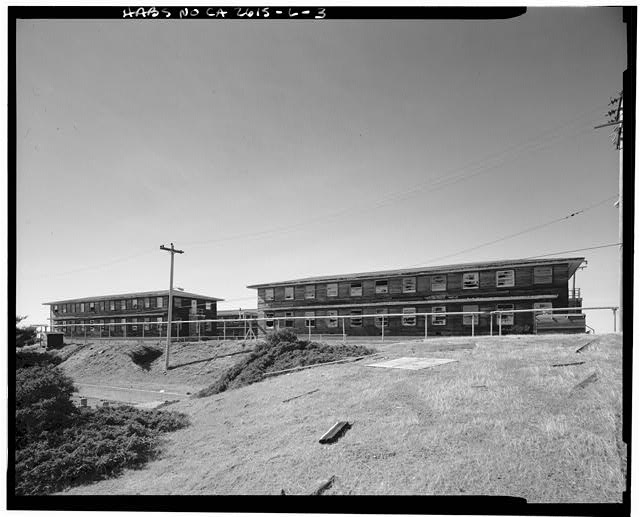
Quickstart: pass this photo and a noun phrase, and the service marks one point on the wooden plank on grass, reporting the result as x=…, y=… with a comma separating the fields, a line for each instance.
x=583, y=347
x=338, y=429
x=267, y=374
x=589, y=380
x=323, y=486
x=568, y=364
x=298, y=396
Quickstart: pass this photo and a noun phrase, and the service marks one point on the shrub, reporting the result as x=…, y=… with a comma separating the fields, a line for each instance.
x=25, y=335
x=98, y=444
x=144, y=355
x=27, y=358
x=272, y=357
x=43, y=401
x=281, y=336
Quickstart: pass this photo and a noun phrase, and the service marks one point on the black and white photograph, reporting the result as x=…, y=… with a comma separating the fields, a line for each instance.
x=321, y=251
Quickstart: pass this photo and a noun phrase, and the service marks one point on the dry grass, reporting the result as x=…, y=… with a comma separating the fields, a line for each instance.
x=525, y=434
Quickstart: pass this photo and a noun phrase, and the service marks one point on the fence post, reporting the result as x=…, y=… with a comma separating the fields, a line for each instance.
x=309, y=330
x=143, y=330
x=615, y=310
x=198, y=331
x=500, y=324
x=224, y=330
x=426, y=325
x=109, y=331
x=383, y=328
x=473, y=325
x=124, y=329
x=491, y=323
x=344, y=334
x=85, y=334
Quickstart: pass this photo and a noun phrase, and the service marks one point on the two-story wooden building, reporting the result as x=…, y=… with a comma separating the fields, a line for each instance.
x=142, y=313
x=481, y=286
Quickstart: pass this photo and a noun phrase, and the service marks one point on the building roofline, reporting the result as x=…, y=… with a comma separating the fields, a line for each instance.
x=136, y=295
x=574, y=263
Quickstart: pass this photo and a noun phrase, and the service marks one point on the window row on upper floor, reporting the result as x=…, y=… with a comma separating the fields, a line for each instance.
x=155, y=302
x=438, y=283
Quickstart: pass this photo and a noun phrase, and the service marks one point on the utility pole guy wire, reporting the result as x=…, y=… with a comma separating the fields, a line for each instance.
x=173, y=251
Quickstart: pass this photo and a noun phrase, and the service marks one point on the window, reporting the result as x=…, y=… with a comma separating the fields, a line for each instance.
x=382, y=286
x=134, y=303
x=55, y=308
x=288, y=323
x=543, y=305
x=269, y=322
x=91, y=328
x=111, y=324
x=332, y=289
x=309, y=319
x=377, y=321
x=159, y=302
x=505, y=278
x=64, y=308
x=159, y=321
x=112, y=305
x=92, y=306
x=439, y=283
x=101, y=306
x=176, y=301
x=123, y=305
x=543, y=275
x=147, y=303
x=409, y=284
x=332, y=322
x=309, y=292
x=268, y=294
x=356, y=289
x=506, y=318
x=134, y=326
x=470, y=280
x=146, y=324
x=356, y=318
x=288, y=293
x=438, y=320
x=82, y=307
x=207, y=306
x=468, y=318
x=208, y=326
x=410, y=319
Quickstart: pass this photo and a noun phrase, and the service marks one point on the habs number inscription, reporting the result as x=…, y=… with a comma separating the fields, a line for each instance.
x=317, y=13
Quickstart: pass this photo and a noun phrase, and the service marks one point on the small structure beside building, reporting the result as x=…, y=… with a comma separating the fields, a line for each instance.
x=142, y=312
x=238, y=324
x=504, y=285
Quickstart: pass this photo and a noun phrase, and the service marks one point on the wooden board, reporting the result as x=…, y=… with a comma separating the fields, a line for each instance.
x=413, y=363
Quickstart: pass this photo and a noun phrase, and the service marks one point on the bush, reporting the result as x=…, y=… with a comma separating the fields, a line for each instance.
x=144, y=355
x=27, y=358
x=25, y=335
x=282, y=355
x=97, y=444
x=43, y=401
x=281, y=336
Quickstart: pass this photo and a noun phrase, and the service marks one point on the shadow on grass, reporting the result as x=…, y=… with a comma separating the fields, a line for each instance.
x=209, y=359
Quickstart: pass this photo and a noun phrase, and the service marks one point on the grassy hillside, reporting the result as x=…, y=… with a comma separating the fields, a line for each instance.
x=502, y=420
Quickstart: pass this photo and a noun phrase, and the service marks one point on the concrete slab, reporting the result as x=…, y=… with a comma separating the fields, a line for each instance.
x=413, y=363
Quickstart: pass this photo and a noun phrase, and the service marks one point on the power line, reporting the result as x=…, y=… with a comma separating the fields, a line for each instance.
x=521, y=232
x=439, y=182
x=579, y=249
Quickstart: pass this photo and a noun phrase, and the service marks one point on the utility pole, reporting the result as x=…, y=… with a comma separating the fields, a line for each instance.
x=617, y=111
x=173, y=251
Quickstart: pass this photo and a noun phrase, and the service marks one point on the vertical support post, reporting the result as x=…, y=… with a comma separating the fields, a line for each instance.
x=198, y=323
x=224, y=330
x=383, y=327
x=500, y=324
x=309, y=331
x=109, y=331
x=614, y=319
x=143, y=325
x=426, y=326
x=473, y=325
x=85, y=333
x=491, y=323
x=124, y=328
x=344, y=334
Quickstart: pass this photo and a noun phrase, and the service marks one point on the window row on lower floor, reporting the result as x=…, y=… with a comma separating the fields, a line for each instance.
x=354, y=317
x=121, y=325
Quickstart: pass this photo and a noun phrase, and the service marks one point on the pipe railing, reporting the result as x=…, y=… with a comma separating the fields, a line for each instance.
x=154, y=329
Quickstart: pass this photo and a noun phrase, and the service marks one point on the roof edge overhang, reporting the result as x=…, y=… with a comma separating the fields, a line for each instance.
x=126, y=296
x=573, y=262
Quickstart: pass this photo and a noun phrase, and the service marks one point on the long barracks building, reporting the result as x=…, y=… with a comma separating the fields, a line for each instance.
x=481, y=286
x=143, y=314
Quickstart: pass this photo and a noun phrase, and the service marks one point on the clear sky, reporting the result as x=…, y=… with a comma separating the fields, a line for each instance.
x=272, y=150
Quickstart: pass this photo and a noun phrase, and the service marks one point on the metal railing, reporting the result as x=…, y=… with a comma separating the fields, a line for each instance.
x=252, y=327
